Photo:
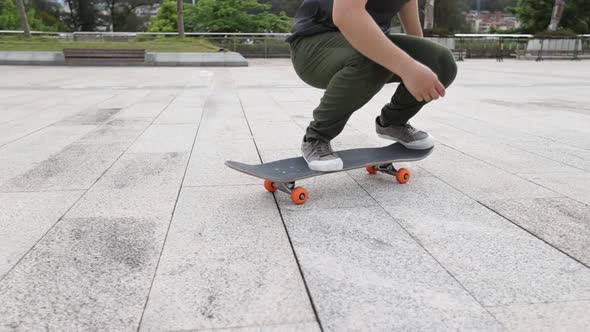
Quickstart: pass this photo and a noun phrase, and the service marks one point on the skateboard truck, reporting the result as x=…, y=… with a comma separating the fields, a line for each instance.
x=402, y=175
x=299, y=195
x=387, y=168
x=286, y=187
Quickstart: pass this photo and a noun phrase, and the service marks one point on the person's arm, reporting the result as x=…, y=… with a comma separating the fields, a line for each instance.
x=410, y=19
x=361, y=31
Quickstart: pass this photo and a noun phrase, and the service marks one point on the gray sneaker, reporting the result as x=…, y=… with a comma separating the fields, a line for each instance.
x=407, y=135
x=320, y=157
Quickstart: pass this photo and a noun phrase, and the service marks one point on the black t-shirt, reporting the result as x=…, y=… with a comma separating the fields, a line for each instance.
x=315, y=16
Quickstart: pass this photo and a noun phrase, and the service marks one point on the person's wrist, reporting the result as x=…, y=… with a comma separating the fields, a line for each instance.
x=404, y=66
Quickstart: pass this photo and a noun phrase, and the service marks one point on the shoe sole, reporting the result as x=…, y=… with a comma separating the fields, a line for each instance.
x=423, y=144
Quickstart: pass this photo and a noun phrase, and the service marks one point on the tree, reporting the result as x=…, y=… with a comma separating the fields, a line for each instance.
x=429, y=14
x=8, y=15
x=289, y=7
x=492, y=5
x=24, y=22
x=556, y=15
x=448, y=15
x=85, y=15
x=235, y=16
x=165, y=21
x=128, y=15
x=10, y=19
x=222, y=16
x=76, y=15
x=49, y=12
x=535, y=15
x=180, y=17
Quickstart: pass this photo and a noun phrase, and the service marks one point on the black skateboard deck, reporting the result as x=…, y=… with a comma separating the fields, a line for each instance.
x=282, y=174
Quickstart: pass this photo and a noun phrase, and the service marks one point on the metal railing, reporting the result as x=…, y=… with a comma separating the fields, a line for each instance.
x=497, y=46
x=273, y=45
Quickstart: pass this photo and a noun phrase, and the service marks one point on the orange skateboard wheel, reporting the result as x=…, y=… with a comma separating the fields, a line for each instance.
x=403, y=175
x=372, y=169
x=299, y=195
x=268, y=185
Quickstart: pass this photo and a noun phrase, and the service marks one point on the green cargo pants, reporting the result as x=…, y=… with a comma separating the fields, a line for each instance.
x=327, y=61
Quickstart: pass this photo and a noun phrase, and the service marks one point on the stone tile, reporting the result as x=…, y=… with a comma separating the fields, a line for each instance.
x=570, y=155
x=328, y=191
x=116, y=131
x=560, y=152
x=560, y=221
x=17, y=129
x=166, y=138
x=142, y=110
x=558, y=316
x=25, y=217
x=287, y=95
x=88, y=273
x=44, y=143
x=91, y=116
x=254, y=98
x=194, y=101
x=290, y=142
x=124, y=100
x=137, y=186
x=510, y=159
x=180, y=113
x=365, y=272
x=496, y=261
x=145, y=170
x=272, y=129
x=353, y=140
x=222, y=110
x=12, y=167
x=575, y=186
x=262, y=114
x=206, y=166
x=77, y=166
x=553, y=123
x=15, y=112
x=20, y=110
x=478, y=179
x=224, y=95
x=296, y=327
x=228, y=126
x=125, y=203
x=226, y=264
x=300, y=109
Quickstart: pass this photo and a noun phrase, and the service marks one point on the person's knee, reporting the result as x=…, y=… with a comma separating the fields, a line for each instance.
x=447, y=67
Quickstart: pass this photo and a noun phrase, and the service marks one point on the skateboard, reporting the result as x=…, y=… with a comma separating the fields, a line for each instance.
x=282, y=174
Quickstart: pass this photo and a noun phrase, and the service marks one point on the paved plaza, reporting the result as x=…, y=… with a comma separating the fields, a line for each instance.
x=117, y=213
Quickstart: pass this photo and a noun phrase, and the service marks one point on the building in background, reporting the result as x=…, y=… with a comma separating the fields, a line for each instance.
x=482, y=21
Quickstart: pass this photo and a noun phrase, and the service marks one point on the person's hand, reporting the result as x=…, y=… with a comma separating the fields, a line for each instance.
x=422, y=82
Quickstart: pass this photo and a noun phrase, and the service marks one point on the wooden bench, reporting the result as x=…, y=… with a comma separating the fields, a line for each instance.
x=104, y=56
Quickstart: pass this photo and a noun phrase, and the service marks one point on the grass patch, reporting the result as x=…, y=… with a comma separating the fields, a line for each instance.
x=159, y=44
